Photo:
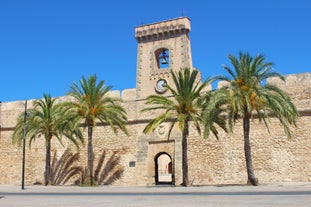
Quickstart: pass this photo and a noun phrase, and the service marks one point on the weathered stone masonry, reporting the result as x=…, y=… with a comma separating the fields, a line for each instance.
x=211, y=161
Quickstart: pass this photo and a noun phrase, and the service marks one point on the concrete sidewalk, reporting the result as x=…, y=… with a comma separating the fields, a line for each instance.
x=283, y=194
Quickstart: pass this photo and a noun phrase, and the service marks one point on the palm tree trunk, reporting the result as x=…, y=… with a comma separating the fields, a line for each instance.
x=247, y=150
x=185, y=155
x=90, y=154
x=47, y=162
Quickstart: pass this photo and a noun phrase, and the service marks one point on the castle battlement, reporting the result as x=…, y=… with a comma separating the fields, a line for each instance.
x=292, y=80
x=162, y=29
x=298, y=86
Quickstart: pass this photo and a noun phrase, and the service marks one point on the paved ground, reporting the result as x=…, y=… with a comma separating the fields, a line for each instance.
x=293, y=194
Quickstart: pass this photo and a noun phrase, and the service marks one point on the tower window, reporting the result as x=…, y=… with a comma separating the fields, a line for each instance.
x=163, y=58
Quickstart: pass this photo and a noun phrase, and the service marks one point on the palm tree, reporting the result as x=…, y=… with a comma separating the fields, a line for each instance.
x=90, y=104
x=46, y=120
x=184, y=106
x=248, y=95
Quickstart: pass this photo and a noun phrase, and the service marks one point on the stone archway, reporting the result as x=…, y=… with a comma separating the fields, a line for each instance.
x=163, y=169
x=161, y=162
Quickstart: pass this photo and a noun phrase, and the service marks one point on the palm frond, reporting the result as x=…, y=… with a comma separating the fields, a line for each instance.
x=91, y=103
x=247, y=92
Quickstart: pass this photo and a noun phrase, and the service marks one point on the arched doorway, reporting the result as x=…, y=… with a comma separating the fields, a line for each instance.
x=163, y=169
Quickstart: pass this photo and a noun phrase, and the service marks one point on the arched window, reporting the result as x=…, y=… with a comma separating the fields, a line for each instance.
x=163, y=58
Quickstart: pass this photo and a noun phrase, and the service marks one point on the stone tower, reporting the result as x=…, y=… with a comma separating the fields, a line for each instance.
x=161, y=46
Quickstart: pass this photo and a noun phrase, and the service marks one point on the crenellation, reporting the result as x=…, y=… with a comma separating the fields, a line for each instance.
x=162, y=29
x=292, y=80
x=114, y=94
x=129, y=94
x=10, y=112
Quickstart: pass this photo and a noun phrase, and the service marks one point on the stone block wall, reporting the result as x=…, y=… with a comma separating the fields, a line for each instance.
x=211, y=161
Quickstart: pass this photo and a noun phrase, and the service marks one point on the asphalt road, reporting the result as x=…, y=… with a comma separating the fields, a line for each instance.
x=57, y=196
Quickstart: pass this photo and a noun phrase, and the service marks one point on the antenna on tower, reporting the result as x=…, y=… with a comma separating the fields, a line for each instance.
x=182, y=5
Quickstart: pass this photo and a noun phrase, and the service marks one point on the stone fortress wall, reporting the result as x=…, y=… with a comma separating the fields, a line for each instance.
x=211, y=161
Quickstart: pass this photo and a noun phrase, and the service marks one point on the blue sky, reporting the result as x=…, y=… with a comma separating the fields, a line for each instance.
x=45, y=45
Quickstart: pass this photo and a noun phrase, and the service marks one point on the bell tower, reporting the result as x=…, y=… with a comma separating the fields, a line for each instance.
x=162, y=46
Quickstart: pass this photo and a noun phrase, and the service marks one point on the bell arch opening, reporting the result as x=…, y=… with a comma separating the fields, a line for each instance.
x=163, y=169
x=162, y=58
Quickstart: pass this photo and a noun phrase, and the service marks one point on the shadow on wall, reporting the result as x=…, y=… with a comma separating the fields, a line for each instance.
x=67, y=168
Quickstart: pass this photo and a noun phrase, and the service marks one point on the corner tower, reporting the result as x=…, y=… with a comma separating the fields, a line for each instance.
x=161, y=46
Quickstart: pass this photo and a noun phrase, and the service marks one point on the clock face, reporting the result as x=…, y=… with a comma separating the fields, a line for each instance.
x=160, y=86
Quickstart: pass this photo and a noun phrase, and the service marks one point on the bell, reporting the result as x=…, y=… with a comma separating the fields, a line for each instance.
x=163, y=61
